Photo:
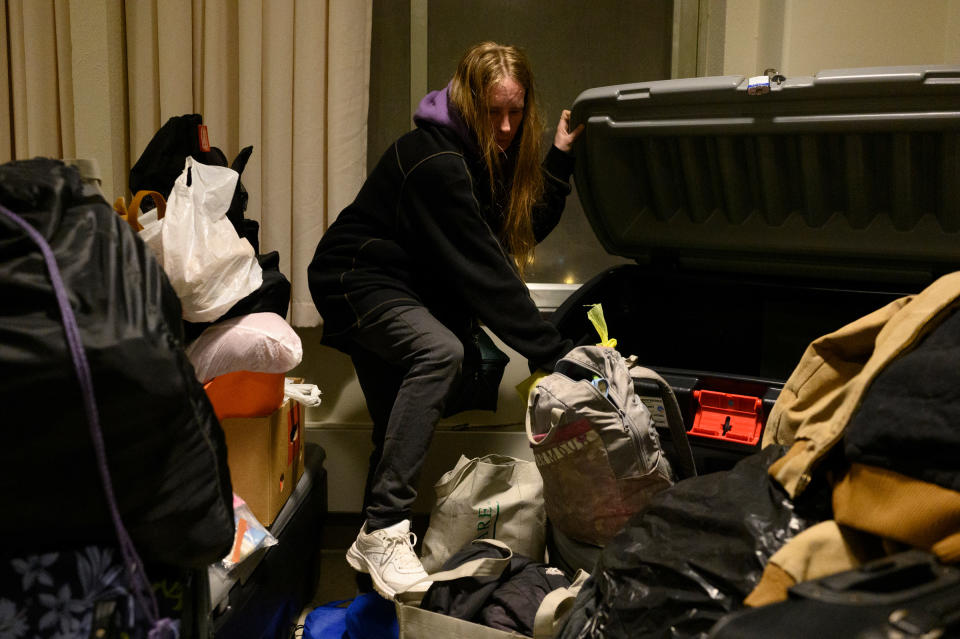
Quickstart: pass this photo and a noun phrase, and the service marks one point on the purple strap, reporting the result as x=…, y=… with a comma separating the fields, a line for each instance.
x=132, y=563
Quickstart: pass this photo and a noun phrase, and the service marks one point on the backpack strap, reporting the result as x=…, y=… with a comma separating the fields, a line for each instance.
x=678, y=433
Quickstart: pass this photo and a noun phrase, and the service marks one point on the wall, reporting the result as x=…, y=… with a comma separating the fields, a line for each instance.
x=801, y=37
x=389, y=110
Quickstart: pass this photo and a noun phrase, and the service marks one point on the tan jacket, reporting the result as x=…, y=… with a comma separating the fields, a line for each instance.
x=810, y=416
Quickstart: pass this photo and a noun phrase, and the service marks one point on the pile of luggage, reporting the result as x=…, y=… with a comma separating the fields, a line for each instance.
x=845, y=519
x=124, y=475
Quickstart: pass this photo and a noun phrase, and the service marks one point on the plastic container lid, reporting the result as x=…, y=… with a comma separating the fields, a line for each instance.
x=849, y=170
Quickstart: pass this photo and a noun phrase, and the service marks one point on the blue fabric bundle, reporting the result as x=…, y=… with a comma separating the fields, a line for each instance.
x=368, y=615
x=328, y=621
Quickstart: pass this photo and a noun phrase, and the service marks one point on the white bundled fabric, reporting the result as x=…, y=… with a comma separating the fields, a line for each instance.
x=210, y=266
x=258, y=342
x=306, y=394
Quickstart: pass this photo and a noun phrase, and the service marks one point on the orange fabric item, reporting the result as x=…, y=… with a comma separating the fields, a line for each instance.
x=245, y=394
x=773, y=587
x=888, y=504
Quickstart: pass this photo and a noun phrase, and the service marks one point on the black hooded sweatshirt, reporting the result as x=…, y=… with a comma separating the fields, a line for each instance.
x=423, y=230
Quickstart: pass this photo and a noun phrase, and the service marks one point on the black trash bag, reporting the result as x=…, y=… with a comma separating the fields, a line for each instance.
x=907, y=594
x=692, y=556
x=251, y=232
x=478, y=387
x=165, y=449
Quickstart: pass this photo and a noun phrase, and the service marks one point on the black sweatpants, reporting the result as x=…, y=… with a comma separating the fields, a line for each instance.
x=407, y=363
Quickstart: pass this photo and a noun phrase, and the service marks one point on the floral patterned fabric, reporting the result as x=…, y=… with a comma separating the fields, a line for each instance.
x=55, y=595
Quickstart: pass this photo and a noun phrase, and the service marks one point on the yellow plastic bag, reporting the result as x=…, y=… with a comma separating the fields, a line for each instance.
x=595, y=315
x=524, y=387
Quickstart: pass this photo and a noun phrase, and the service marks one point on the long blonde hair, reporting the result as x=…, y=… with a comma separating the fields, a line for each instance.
x=482, y=67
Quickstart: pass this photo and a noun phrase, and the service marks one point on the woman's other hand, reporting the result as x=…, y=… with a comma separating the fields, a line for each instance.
x=564, y=137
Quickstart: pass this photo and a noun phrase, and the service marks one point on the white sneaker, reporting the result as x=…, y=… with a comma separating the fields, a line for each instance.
x=388, y=556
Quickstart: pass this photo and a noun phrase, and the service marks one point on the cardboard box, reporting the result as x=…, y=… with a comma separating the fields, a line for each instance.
x=265, y=455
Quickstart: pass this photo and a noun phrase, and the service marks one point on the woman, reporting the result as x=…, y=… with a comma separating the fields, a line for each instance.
x=438, y=237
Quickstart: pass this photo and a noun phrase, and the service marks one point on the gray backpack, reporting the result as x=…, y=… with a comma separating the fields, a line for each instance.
x=595, y=442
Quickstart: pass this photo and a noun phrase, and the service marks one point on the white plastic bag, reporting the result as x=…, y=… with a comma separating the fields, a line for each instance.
x=147, y=225
x=256, y=342
x=210, y=266
x=249, y=536
x=150, y=233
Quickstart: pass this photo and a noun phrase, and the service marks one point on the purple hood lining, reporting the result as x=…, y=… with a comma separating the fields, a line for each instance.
x=435, y=108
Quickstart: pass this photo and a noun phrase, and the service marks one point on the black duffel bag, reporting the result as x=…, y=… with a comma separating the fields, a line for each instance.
x=165, y=449
x=478, y=386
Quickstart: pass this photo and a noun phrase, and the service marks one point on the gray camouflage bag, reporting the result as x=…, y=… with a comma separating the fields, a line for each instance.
x=596, y=445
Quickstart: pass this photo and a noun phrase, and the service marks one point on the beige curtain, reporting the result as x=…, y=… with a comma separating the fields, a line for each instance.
x=289, y=77
x=63, y=84
x=97, y=78
x=36, y=91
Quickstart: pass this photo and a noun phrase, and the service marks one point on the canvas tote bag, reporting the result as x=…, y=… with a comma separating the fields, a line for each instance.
x=491, y=497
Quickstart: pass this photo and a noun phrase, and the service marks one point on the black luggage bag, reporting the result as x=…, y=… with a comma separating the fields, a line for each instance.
x=909, y=594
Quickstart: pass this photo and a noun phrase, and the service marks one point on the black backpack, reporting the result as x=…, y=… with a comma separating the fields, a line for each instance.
x=158, y=168
x=165, y=448
x=162, y=162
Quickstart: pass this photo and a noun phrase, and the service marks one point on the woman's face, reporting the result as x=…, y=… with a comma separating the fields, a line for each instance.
x=506, y=110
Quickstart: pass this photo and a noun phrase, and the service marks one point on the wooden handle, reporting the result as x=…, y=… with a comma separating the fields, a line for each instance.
x=133, y=211
x=120, y=206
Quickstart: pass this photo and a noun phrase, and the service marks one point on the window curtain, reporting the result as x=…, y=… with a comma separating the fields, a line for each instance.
x=62, y=87
x=97, y=78
x=36, y=88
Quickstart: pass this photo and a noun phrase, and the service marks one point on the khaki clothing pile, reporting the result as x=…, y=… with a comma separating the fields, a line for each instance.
x=876, y=510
